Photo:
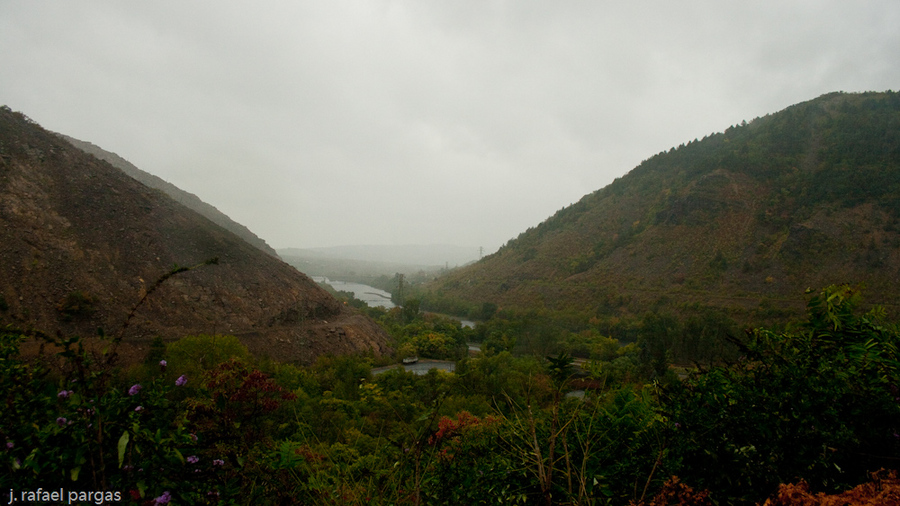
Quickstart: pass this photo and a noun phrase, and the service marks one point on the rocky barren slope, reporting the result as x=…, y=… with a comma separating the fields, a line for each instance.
x=81, y=242
x=188, y=199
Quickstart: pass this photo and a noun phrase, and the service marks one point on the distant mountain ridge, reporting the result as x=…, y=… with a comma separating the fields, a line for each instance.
x=424, y=255
x=743, y=221
x=81, y=242
x=186, y=198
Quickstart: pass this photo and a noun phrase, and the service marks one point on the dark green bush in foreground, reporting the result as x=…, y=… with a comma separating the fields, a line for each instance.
x=67, y=424
x=819, y=402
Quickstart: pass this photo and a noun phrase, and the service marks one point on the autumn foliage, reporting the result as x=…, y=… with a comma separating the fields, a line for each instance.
x=883, y=490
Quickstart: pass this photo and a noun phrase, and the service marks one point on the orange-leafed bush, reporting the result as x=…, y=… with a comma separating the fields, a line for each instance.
x=676, y=493
x=883, y=490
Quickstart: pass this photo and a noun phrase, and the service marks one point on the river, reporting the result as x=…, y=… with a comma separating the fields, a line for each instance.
x=373, y=296
x=421, y=367
x=368, y=294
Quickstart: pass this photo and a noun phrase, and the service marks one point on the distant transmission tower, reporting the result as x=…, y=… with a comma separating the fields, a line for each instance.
x=480, y=252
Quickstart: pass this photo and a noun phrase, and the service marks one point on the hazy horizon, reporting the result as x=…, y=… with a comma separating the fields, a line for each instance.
x=423, y=255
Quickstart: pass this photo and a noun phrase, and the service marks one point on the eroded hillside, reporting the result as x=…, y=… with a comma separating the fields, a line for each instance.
x=81, y=242
x=188, y=199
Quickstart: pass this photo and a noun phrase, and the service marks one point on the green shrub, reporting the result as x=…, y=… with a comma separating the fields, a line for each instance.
x=76, y=428
x=817, y=402
x=194, y=355
x=76, y=305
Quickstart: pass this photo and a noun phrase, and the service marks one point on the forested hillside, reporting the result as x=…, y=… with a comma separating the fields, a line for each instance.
x=740, y=222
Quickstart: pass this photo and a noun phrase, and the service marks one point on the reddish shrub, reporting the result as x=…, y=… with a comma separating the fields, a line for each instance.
x=883, y=490
x=675, y=493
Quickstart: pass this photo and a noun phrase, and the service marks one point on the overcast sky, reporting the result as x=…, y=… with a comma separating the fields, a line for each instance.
x=420, y=122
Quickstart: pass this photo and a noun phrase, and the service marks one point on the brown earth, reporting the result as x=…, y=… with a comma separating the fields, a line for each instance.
x=81, y=243
x=188, y=199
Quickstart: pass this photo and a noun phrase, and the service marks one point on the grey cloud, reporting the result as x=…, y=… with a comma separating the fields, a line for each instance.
x=325, y=123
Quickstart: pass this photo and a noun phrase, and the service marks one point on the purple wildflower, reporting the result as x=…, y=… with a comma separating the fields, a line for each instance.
x=164, y=498
x=193, y=437
x=134, y=389
x=181, y=381
x=218, y=462
x=138, y=409
x=61, y=421
x=9, y=445
x=193, y=459
x=163, y=364
x=64, y=394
